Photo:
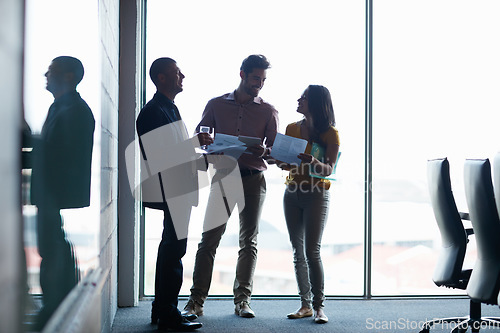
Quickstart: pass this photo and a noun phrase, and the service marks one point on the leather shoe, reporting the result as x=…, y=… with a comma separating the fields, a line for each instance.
x=188, y=317
x=154, y=316
x=301, y=313
x=192, y=307
x=243, y=309
x=320, y=317
x=183, y=326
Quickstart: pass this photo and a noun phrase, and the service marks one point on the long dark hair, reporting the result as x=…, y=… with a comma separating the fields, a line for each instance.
x=319, y=102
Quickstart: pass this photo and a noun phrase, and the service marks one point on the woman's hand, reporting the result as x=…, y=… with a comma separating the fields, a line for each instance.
x=322, y=168
x=307, y=158
x=280, y=164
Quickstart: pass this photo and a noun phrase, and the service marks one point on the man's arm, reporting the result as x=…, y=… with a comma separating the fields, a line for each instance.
x=271, y=131
x=207, y=118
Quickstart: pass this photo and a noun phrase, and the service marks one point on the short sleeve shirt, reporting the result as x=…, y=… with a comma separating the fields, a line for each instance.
x=301, y=173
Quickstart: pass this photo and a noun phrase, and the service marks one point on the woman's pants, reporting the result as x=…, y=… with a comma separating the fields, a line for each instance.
x=306, y=212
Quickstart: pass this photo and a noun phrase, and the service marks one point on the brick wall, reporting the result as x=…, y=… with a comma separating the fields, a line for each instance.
x=109, y=38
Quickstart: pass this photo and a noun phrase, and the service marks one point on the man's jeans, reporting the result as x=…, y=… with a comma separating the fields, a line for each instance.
x=254, y=188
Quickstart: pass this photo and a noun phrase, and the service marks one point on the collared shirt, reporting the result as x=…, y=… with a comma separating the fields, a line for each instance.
x=157, y=112
x=256, y=119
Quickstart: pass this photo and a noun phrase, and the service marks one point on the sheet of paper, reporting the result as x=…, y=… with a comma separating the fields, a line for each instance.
x=286, y=148
x=223, y=142
x=226, y=144
x=249, y=140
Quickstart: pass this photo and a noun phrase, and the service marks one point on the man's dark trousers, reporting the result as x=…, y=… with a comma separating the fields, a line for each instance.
x=169, y=272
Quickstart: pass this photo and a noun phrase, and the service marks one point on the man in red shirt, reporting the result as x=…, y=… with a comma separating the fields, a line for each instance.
x=239, y=113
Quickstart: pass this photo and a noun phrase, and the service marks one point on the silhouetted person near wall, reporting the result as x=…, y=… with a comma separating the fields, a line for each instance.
x=62, y=155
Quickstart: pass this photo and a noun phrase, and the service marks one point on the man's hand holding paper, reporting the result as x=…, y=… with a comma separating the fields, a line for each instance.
x=234, y=146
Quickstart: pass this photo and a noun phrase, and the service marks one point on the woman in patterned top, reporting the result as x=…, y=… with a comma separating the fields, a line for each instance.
x=306, y=199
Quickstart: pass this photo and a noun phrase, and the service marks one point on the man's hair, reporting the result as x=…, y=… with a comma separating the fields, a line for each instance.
x=158, y=66
x=254, y=61
x=69, y=64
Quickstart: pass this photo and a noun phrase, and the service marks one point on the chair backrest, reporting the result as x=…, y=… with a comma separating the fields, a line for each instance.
x=484, y=281
x=496, y=180
x=453, y=236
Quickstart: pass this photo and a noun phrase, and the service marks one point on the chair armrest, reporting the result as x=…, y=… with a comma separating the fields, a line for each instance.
x=468, y=231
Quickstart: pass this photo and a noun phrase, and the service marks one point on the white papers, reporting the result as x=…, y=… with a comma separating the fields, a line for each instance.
x=228, y=144
x=250, y=141
x=222, y=142
x=286, y=148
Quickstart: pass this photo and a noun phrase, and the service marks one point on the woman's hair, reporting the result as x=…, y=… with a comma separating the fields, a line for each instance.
x=319, y=102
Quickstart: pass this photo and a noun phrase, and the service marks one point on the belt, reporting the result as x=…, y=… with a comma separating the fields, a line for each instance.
x=293, y=186
x=249, y=172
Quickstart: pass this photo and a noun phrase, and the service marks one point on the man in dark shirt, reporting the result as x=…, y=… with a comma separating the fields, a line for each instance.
x=161, y=132
x=62, y=156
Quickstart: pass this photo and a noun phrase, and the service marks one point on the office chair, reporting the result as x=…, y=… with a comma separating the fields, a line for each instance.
x=496, y=180
x=454, y=237
x=484, y=282
x=496, y=188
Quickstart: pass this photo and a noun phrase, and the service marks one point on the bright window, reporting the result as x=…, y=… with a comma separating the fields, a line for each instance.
x=435, y=94
x=315, y=42
x=435, y=86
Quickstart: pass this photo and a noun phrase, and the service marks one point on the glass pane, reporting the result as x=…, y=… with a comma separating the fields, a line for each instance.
x=315, y=42
x=67, y=235
x=435, y=95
